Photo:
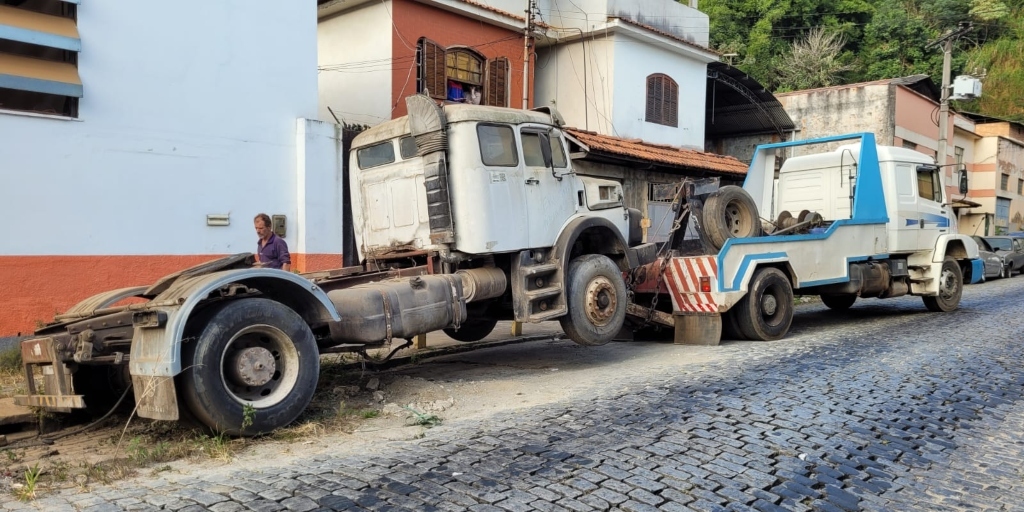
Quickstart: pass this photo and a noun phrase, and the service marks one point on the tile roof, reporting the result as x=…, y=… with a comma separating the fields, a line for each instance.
x=664, y=154
x=493, y=9
x=664, y=34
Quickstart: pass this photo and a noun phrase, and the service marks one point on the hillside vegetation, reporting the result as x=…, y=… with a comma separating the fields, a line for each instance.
x=800, y=44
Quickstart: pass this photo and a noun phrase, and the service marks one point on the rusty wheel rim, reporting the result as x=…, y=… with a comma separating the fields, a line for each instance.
x=260, y=366
x=601, y=301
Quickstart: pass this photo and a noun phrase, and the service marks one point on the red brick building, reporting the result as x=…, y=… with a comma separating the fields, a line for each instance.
x=374, y=54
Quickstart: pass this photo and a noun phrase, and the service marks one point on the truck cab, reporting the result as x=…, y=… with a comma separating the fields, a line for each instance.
x=914, y=203
x=510, y=185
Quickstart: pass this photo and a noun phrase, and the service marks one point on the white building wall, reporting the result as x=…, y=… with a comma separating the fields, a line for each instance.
x=354, y=61
x=561, y=73
x=634, y=61
x=189, y=108
x=675, y=18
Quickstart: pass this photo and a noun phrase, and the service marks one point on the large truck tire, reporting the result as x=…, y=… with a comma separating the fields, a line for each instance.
x=252, y=369
x=730, y=212
x=838, y=302
x=596, y=296
x=951, y=287
x=731, y=326
x=766, y=311
x=472, y=330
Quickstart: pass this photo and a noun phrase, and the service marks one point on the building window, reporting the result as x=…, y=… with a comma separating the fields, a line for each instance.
x=909, y=145
x=461, y=75
x=662, y=100
x=1020, y=187
x=959, y=153
x=1004, y=182
x=497, y=82
x=39, y=47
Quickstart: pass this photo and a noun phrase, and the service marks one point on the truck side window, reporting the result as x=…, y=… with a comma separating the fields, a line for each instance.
x=557, y=154
x=532, y=156
x=407, y=146
x=378, y=154
x=497, y=145
x=928, y=184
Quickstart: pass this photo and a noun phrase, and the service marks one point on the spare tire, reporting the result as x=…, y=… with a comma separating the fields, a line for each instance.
x=728, y=213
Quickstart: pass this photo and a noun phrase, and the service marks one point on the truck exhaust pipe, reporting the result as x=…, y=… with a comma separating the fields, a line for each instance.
x=482, y=283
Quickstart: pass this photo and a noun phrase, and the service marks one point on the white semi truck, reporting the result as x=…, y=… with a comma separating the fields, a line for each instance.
x=859, y=221
x=465, y=215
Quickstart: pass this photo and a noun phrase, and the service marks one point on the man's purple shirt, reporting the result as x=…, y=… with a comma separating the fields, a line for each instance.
x=275, y=253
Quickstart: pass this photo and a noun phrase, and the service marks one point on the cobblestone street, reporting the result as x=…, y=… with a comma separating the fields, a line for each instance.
x=885, y=407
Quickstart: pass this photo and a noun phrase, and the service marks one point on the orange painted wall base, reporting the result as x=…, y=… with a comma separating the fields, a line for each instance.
x=35, y=288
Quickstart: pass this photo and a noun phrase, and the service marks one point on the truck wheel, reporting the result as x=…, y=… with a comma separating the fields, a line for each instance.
x=472, y=330
x=951, y=286
x=839, y=302
x=766, y=311
x=253, y=353
x=731, y=326
x=596, y=296
x=730, y=212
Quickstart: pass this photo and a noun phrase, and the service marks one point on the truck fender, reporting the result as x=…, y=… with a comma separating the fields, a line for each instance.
x=156, y=351
x=955, y=245
x=964, y=250
x=611, y=244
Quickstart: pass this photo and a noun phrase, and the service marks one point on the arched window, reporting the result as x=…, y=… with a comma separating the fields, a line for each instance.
x=662, y=100
x=460, y=74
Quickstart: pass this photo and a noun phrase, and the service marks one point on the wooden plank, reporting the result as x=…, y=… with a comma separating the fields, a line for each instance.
x=659, y=317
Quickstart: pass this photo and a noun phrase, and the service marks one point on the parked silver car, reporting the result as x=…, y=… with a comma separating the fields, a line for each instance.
x=1011, y=250
x=993, y=262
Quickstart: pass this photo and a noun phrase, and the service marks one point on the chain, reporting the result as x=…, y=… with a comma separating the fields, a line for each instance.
x=663, y=255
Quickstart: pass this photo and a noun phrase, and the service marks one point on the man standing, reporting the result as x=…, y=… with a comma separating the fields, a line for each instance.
x=271, y=250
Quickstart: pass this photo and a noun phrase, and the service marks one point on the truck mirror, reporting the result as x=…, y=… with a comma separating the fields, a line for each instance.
x=963, y=179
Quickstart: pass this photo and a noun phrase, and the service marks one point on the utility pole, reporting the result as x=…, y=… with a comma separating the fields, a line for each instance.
x=527, y=32
x=947, y=49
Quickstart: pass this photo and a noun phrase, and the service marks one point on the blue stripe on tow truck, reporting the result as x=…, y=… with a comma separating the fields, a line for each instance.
x=720, y=259
x=747, y=260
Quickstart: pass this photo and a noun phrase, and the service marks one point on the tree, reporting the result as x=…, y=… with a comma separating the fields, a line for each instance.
x=813, y=62
x=894, y=44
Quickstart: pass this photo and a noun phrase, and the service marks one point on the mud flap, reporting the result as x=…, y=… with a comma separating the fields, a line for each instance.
x=156, y=397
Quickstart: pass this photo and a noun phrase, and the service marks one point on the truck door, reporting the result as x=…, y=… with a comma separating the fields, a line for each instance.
x=550, y=197
x=907, y=213
x=933, y=217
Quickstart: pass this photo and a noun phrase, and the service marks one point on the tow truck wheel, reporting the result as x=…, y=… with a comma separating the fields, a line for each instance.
x=731, y=326
x=766, y=311
x=252, y=369
x=730, y=212
x=839, y=302
x=472, y=330
x=596, y=296
x=951, y=286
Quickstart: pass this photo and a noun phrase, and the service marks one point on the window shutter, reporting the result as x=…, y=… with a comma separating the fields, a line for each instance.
x=497, y=82
x=432, y=69
x=662, y=100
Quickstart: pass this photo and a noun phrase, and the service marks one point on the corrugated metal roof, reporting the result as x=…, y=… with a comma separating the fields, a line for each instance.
x=669, y=156
x=736, y=104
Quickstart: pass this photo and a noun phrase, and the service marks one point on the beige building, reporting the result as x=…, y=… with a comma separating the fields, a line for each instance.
x=902, y=112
